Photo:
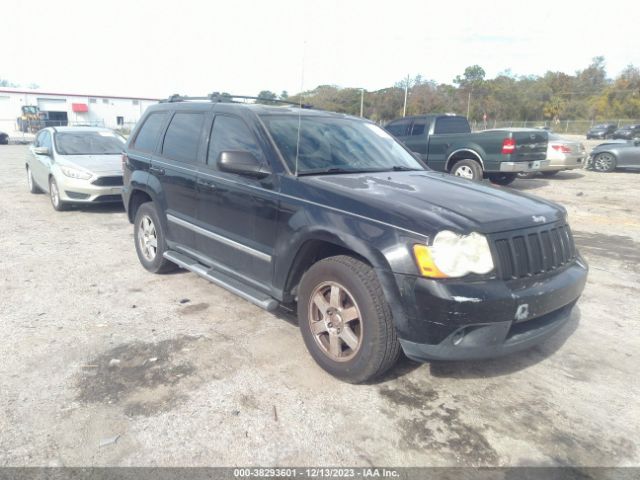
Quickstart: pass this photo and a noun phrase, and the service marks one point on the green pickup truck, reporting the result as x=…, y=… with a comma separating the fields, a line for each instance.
x=445, y=143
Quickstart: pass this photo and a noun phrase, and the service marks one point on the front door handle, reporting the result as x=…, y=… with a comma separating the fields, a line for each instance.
x=206, y=184
x=156, y=170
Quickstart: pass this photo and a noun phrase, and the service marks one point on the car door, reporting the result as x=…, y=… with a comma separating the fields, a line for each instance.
x=175, y=167
x=238, y=213
x=41, y=163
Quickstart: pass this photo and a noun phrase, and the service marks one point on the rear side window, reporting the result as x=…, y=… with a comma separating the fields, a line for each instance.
x=182, y=139
x=231, y=134
x=399, y=128
x=452, y=125
x=147, y=137
x=418, y=127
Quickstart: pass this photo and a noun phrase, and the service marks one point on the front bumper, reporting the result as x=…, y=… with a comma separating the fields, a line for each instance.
x=455, y=320
x=74, y=190
x=531, y=166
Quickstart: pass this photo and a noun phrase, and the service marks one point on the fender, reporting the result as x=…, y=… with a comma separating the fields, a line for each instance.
x=448, y=165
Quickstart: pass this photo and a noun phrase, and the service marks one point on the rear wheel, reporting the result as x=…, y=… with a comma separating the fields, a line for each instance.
x=604, y=162
x=345, y=320
x=54, y=195
x=502, y=178
x=467, y=168
x=150, y=240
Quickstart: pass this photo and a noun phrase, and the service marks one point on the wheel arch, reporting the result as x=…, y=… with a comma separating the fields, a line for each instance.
x=137, y=197
x=463, y=154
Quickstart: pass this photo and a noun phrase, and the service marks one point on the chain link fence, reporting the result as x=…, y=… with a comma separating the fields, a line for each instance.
x=573, y=127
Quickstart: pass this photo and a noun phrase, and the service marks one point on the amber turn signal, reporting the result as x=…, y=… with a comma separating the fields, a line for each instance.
x=425, y=262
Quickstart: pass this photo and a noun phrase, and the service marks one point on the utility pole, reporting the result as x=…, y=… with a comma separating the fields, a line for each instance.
x=361, y=102
x=406, y=92
x=469, y=104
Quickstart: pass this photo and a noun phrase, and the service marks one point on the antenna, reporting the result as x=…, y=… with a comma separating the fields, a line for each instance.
x=304, y=51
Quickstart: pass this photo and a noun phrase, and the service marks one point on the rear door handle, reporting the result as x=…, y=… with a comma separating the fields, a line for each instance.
x=156, y=170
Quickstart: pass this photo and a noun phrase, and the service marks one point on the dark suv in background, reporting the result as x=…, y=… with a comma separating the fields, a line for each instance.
x=628, y=132
x=602, y=131
x=329, y=215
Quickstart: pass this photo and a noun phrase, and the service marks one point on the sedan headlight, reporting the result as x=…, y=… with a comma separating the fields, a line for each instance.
x=75, y=173
x=453, y=255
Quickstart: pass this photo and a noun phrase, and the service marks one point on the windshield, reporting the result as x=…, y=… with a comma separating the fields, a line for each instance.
x=30, y=110
x=335, y=145
x=89, y=143
x=600, y=127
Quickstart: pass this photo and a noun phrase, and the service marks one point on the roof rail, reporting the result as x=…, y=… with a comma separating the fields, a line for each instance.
x=217, y=97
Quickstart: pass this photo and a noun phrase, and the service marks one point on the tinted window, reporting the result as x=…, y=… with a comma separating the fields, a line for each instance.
x=89, y=143
x=399, y=128
x=148, y=135
x=418, y=126
x=183, y=137
x=452, y=125
x=231, y=134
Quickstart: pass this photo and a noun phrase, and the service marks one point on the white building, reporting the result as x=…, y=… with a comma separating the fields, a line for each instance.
x=58, y=109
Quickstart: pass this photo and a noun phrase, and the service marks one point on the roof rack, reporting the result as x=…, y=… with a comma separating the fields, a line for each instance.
x=217, y=97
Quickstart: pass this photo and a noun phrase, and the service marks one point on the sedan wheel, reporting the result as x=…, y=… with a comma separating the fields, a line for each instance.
x=54, y=195
x=604, y=162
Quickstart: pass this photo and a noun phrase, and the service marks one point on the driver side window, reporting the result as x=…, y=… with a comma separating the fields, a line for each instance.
x=231, y=134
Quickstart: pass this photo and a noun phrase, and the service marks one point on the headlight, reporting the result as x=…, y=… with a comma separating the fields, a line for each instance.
x=453, y=255
x=75, y=173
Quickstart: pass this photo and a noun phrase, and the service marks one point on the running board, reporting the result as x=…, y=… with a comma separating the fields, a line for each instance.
x=250, y=294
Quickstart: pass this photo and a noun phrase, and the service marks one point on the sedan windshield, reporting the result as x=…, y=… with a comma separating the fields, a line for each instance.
x=334, y=145
x=89, y=143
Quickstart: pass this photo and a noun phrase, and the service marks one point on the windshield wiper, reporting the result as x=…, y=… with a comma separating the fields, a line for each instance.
x=334, y=170
x=402, y=168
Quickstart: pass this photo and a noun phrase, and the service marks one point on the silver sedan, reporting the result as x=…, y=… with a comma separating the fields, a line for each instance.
x=562, y=154
x=76, y=165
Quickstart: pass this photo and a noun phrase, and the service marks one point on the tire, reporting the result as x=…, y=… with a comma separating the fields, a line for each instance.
x=604, y=162
x=33, y=188
x=502, y=178
x=467, y=168
x=355, y=350
x=4, y=140
x=147, y=231
x=54, y=195
x=550, y=173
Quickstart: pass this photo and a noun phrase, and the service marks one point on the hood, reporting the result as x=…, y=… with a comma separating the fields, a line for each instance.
x=93, y=163
x=426, y=202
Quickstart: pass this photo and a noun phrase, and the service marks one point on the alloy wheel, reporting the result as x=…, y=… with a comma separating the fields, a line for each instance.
x=29, y=179
x=55, y=194
x=603, y=162
x=148, y=238
x=335, y=321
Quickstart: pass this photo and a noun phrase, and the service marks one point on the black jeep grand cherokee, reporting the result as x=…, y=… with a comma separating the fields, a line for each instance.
x=329, y=213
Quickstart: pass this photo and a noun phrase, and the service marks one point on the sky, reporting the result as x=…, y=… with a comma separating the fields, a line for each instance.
x=156, y=48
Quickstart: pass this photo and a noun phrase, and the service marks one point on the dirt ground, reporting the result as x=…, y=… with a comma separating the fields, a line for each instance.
x=103, y=363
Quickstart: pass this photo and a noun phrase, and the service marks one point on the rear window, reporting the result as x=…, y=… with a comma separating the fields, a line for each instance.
x=147, y=137
x=182, y=139
x=452, y=125
x=418, y=127
x=399, y=128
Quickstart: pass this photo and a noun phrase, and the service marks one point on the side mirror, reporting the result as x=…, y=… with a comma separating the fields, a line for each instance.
x=243, y=163
x=42, y=151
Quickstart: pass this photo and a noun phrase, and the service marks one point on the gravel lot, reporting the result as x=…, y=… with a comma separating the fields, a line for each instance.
x=102, y=363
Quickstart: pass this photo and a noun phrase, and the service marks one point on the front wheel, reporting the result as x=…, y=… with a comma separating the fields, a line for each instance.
x=33, y=188
x=604, y=162
x=150, y=240
x=467, y=168
x=502, y=178
x=345, y=320
x=54, y=194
